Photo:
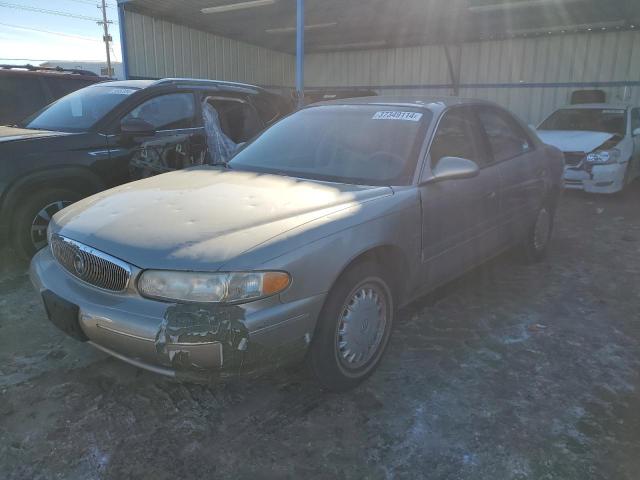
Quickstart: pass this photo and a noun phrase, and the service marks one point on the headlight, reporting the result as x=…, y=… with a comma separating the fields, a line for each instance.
x=211, y=287
x=604, y=156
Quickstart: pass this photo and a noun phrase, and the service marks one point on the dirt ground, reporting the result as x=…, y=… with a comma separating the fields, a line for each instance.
x=513, y=372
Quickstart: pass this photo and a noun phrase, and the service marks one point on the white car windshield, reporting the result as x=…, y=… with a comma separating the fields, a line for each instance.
x=609, y=120
x=361, y=144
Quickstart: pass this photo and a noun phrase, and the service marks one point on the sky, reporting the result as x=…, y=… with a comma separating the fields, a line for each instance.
x=28, y=36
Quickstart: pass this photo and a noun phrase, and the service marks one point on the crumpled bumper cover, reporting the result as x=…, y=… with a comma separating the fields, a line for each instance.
x=194, y=341
x=596, y=178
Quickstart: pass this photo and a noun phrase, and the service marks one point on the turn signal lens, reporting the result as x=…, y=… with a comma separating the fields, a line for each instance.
x=275, y=282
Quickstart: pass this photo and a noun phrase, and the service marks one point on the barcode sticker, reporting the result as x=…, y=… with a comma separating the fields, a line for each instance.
x=405, y=116
x=121, y=91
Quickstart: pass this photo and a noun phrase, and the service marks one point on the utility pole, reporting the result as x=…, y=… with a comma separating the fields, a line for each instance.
x=107, y=38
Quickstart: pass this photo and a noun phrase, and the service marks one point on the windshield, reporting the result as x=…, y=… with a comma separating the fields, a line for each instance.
x=80, y=110
x=362, y=144
x=587, y=119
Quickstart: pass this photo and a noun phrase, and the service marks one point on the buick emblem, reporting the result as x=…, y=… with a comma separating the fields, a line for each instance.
x=79, y=265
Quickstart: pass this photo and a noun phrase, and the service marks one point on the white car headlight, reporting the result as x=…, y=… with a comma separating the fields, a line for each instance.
x=604, y=156
x=202, y=287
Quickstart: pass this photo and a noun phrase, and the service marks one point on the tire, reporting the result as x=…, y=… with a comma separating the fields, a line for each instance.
x=535, y=245
x=28, y=229
x=339, y=360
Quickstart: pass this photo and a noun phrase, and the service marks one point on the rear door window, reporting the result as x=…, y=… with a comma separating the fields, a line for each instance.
x=267, y=110
x=238, y=119
x=506, y=138
x=20, y=96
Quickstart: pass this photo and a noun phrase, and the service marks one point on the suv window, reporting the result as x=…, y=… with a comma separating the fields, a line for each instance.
x=458, y=135
x=59, y=87
x=238, y=119
x=20, y=96
x=166, y=112
x=635, y=119
x=506, y=138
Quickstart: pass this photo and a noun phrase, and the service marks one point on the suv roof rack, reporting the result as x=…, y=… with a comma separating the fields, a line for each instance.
x=206, y=82
x=34, y=68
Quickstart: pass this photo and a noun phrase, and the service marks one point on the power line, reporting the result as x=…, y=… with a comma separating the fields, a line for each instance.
x=49, y=12
x=79, y=37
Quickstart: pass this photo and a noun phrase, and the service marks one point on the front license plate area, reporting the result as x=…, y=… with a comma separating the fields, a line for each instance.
x=63, y=314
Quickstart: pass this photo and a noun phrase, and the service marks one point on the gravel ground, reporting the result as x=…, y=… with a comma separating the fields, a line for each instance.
x=512, y=372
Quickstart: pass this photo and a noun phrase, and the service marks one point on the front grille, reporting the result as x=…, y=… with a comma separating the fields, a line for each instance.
x=574, y=159
x=90, y=265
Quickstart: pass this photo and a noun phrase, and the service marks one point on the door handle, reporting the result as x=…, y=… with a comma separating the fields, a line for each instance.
x=491, y=195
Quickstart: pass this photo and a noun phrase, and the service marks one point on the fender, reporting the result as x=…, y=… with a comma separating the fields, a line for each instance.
x=80, y=179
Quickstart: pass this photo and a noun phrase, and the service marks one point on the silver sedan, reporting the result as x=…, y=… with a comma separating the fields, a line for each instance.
x=305, y=244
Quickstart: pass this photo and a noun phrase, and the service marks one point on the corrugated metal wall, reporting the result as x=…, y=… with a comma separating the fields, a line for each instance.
x=530, y=76
x=162, y=49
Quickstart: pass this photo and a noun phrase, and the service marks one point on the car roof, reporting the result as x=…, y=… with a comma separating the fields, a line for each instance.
x=426, y=102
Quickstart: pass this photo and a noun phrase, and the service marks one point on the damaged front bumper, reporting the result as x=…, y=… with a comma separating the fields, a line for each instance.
x=186, y=340
x=596, y=178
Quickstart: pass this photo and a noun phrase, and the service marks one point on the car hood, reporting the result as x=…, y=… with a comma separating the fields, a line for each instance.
x=574, y=141
x=10, y=134
x=200, y=218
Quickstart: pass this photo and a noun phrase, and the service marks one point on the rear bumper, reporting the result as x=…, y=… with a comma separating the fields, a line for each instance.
x=601, y=178
x=183, y=340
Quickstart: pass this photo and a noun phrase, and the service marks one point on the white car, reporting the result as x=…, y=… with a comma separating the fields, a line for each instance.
x=600, y=142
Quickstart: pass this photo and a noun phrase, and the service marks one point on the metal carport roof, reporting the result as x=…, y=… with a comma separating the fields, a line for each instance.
x=361, y=24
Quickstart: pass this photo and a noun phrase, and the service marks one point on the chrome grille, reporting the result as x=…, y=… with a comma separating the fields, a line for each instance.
x=90, y=265
x=573, y=159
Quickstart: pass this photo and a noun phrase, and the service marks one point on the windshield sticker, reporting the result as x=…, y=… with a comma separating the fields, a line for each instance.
x=76, y=107
x=406, y=116
x=121, y=91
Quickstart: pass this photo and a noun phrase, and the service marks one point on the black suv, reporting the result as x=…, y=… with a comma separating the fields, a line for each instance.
x=25, y=89
x=115, y=132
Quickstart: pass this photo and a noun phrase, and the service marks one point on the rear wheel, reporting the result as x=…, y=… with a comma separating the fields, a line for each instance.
x=30, y=222
x=536, y=243
x=354, y=329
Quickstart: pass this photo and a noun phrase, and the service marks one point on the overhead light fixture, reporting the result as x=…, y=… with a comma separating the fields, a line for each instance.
x=238, y=6
x=345, y=46
x=316, y=26
x=496, y=7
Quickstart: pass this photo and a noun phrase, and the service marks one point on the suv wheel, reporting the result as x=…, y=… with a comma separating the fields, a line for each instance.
x=536, y=243
x=354, y=329
x=29, y=229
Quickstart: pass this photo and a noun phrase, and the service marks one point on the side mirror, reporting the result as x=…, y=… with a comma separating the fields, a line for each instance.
x=636, y=132
x=449, y=168
x=135, y=127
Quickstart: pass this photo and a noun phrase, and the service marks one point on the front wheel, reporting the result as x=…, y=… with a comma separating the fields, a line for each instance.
x=536, y=242
x=30, y=222
x=354, y=328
